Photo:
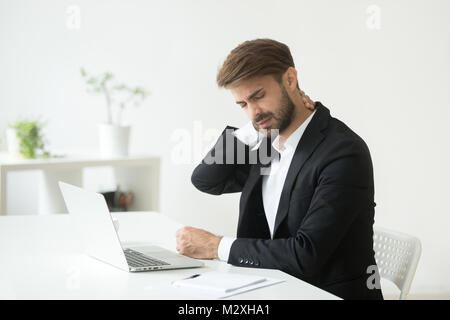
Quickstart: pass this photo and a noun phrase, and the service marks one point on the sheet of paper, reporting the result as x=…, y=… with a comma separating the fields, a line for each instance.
x=169, y=289
x=268, y=282
x=220, y=282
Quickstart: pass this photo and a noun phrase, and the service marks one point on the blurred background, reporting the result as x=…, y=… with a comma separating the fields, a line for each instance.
x=382, y=67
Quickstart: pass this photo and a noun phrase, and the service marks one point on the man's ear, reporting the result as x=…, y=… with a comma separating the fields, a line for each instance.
x=290, y=77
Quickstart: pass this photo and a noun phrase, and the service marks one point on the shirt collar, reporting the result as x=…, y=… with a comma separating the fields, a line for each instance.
x=292, y=141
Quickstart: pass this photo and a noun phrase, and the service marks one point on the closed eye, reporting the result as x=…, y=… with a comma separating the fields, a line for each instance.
x=253, y=96
x=243, y=105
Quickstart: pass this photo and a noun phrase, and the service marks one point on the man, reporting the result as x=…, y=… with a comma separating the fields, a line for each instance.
x=307, y=204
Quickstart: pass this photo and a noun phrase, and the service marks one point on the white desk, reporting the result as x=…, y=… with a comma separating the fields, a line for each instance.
x=40, y=258
x=138, y=173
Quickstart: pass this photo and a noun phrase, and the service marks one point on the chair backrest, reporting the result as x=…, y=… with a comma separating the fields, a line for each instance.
x=397, y=255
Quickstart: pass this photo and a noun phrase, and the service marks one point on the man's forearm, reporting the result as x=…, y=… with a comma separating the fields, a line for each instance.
x=220, y=171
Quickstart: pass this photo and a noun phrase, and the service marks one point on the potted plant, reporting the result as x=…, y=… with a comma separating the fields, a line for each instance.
x=25, y=139
x=114, y=135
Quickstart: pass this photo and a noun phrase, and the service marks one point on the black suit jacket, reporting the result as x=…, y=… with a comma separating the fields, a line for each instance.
x=324, y=224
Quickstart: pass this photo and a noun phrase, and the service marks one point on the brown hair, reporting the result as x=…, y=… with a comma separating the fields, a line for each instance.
x=252, y=58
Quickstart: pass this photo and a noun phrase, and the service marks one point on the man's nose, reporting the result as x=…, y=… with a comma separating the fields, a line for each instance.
x=254, y=111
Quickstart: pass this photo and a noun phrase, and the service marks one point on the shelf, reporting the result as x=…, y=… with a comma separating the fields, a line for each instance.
x=137, y=173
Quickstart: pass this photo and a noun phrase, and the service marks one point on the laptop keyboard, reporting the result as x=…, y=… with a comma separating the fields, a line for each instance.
x=136, y=259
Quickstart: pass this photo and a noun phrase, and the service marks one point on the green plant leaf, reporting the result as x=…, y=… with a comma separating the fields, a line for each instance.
x=30, y=137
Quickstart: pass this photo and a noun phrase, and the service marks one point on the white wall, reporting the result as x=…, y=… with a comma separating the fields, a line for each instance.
x=390, y=84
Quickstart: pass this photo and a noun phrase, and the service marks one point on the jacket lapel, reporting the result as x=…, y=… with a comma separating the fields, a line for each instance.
x=311, y=138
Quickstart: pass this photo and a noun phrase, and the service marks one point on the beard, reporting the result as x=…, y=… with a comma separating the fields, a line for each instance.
x=282, y=118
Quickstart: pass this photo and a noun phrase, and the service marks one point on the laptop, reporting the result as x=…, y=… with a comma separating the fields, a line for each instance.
x=101, y=241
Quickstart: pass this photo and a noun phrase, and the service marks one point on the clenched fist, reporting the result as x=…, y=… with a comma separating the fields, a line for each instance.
x=197, y=243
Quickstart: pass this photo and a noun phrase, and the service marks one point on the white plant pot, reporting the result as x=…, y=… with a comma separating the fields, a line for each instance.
x=113, y=139
x=13, y=143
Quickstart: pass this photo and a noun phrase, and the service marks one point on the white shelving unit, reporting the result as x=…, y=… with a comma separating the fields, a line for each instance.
x=139, y=174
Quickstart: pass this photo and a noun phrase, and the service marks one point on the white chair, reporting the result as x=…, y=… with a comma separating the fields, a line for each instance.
x=397, y=255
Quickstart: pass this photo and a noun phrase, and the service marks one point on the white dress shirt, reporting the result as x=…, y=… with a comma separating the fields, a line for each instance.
x=272, y=184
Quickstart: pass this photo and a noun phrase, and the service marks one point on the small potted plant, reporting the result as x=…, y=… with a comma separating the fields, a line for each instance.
x=25, y=139
x=114, y=134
